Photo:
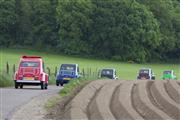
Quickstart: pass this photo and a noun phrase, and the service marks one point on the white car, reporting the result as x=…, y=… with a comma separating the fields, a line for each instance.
x=146, y=73
x=108, y=73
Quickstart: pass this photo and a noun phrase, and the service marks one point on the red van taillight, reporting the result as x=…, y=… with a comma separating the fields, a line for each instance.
x=36, y=77
x=39, y=77
x=19, y=77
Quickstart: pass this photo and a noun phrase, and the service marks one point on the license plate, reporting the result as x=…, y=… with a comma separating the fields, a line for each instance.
x=66, y=78
x=28, y=78
x=143, y=78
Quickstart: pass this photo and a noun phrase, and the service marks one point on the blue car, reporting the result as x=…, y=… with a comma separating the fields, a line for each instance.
x=66, y=73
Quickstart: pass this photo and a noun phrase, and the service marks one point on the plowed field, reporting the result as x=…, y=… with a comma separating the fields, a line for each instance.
x=126, y=100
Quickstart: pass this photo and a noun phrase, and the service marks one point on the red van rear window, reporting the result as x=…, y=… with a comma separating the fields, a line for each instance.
x=29, y=64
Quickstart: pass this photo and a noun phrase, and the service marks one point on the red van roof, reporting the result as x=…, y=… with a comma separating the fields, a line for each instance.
x=31, y=56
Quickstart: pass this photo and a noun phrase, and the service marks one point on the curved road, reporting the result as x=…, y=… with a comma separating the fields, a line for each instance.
x=11, y=99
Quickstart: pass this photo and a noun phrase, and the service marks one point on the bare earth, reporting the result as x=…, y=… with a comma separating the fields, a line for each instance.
x=98, y=100
x=123, y=100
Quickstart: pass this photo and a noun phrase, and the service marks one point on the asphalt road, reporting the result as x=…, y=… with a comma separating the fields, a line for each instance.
x=12, y=99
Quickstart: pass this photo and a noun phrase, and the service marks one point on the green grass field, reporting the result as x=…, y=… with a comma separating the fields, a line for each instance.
x=127, y=71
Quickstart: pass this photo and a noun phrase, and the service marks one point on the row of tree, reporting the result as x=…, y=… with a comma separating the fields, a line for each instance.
x=138, y=30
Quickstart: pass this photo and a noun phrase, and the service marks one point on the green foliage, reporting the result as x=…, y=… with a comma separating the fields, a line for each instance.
x=6, y=80
x=100, y=28
x=52, y=79
x=24, y=23
x=44, y=23
x=167, y=14
x=8, y=19
x=130, y=33
x=73, y=17
x=135, y=30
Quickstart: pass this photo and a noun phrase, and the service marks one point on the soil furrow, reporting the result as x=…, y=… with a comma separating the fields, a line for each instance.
x=178, y=83
x=143, y=104
x=121, y=104
x=77, y=108
x=125, y=100
x=88, y=111
x=173, y=90
x=100, y=107
x=166, y=103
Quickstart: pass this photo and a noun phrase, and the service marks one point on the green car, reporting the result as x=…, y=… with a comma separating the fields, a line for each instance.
x=169, y=75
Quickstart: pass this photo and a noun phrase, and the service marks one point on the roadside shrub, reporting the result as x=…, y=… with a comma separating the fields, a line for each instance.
x=5, y=80
x=52, y=80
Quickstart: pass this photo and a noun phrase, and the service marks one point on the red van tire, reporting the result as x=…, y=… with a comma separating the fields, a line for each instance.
x=42, y=85
x=16, y=85
x=46, y=86
x=21, y=86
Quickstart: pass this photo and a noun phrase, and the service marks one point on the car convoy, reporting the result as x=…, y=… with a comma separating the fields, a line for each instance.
x=31, y=71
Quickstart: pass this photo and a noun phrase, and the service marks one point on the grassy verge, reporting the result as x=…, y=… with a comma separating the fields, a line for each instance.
x=52, y=80
x=6, y=80
x=52, y=102
x=73, y=84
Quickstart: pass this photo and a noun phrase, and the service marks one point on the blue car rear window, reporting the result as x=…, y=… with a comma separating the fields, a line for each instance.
x=68, y=67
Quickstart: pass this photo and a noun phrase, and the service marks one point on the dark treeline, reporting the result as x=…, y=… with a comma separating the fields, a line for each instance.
x=136, y=30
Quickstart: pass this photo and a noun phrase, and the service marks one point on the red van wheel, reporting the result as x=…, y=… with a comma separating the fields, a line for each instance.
x=21, y=86
x=16, y=85
x=46, y=86
x=42, y=85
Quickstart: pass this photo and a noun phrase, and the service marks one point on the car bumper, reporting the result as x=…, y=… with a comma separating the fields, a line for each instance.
x=64, y=81
x=29, y=81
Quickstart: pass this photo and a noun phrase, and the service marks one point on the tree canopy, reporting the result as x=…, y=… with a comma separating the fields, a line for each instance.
x=137, y=30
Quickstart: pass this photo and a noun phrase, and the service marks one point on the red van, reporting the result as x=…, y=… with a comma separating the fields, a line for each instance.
x=31, y=72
